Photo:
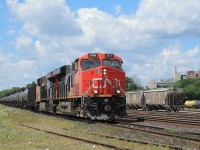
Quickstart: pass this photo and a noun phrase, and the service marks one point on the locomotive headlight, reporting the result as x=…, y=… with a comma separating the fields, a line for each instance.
x=95, y=91
x=104, y=71
x=118, y=91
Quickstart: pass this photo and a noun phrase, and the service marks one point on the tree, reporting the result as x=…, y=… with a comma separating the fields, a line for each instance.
x=192, y=91
x=132, y=84
x=186, y=82
x=30, y=84
x=9, y=91
x=191, y=88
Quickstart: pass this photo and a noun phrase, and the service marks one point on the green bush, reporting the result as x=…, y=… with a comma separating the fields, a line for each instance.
x=191, y=88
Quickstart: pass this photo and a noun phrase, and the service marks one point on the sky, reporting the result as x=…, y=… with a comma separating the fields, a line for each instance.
x=151, y=36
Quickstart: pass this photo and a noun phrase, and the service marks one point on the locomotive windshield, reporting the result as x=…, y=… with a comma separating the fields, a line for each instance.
x=88, y=64
x=112, y=63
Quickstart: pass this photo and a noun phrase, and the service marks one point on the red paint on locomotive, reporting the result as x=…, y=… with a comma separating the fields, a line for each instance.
x=98, y=75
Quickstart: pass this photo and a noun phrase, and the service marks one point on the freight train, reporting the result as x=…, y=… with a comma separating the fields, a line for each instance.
x=158, y=99
x=93, y=87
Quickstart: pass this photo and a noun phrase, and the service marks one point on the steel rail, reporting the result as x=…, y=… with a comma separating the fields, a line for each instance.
x=126, y=139
x=157, y=128
x=174, y=121
x=190, y=140
x=76, y=138
x=167, y=120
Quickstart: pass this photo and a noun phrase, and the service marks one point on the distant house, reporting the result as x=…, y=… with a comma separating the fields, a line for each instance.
x=193, y=74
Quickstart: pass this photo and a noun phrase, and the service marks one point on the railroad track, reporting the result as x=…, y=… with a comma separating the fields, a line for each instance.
x=130, y=140
x=156, y=128
x=162, y=131
x=180, y=117
x=161, y=114
x=188, y=119
x=102, y=135
x=129, y=126
x=174, y=121
x=126, y=126
x=76, y=138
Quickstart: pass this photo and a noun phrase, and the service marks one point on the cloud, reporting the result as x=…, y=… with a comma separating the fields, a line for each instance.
x=162, y=65
x=145, y=39
x=193, y=51
x=16, y=72
x=153, y=23
x=23, y=43
x=169, y=54
x=48, y=17
x=110, y=32
x=39, y=48
x=10, y=32
x=118, y=9
x=169, y=18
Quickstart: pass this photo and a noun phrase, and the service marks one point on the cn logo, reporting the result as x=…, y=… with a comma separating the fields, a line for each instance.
x=95, y=82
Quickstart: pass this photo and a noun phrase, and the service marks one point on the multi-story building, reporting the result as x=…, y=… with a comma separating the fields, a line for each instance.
x=193, y=74
x=177, y=75
x=153, y=84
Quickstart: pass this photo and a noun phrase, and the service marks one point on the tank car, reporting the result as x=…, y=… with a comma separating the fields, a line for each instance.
x=192, y=104
x=23, y=99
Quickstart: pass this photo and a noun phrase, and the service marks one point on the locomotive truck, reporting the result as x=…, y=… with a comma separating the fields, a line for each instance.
x=93, y=86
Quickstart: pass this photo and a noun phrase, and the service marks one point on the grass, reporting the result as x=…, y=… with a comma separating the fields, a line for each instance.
x=15, y=137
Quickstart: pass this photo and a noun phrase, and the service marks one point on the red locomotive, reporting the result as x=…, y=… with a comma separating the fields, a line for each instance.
x=92, y=87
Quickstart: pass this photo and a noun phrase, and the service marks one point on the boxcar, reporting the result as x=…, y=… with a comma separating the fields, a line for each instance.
x=135, y=100
x=163, y=99
x=158, y=99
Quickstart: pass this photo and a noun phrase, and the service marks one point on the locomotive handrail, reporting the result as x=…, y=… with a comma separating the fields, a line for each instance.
x=83, y=97
x=121, y=89
x=89, y=88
